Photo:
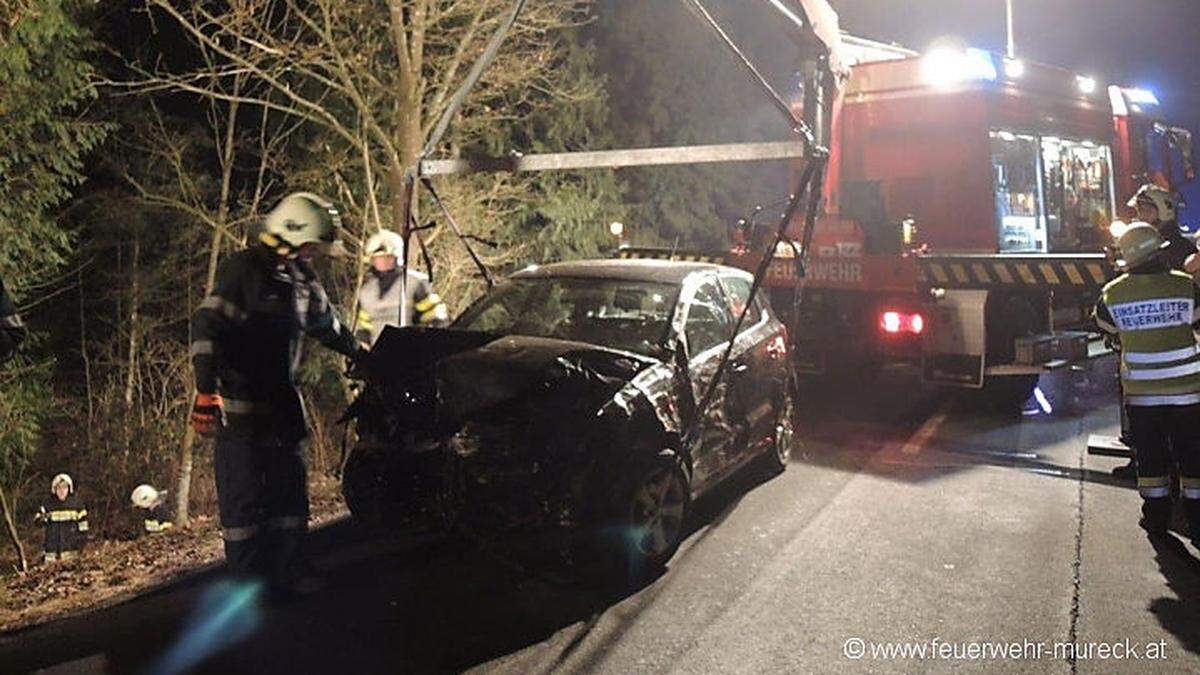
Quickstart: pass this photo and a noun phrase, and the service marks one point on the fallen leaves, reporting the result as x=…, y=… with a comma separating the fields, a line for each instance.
x=110, y=571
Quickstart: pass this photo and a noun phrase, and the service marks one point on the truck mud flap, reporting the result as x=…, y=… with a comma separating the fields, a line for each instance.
x=955, y=345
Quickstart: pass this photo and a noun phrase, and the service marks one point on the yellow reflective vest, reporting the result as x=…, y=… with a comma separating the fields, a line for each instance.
x=1154, y=316
x=381, y=304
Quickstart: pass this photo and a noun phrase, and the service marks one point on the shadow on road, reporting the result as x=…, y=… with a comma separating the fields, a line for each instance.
x=393, y=604
x=1179, y=616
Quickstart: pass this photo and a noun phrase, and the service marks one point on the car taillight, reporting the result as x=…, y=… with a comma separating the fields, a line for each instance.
x=901, y=322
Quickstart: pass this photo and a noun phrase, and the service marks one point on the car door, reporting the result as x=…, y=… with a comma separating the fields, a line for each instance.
x=752, y=367
x=707, y=326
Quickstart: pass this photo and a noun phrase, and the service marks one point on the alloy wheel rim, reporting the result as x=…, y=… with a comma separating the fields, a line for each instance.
x=785, y=431
x=658, y=507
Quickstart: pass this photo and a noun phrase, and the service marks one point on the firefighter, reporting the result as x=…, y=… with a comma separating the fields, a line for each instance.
x=65, y=520
x=1154, y=310
x=152, y=502
x=12, y=331
x=1156, y=206
x=380, y=301
x=246, y=348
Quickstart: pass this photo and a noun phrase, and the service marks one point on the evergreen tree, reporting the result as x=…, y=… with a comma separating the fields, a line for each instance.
x=672, y=83
x=44, y=138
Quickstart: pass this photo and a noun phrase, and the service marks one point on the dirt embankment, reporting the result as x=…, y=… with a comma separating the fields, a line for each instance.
x=110, y=571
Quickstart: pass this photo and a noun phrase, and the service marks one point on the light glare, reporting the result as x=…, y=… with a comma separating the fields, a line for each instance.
x=944, y=67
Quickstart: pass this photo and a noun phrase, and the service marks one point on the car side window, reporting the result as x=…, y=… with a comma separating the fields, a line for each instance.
x=708, y=321
x=739, y=295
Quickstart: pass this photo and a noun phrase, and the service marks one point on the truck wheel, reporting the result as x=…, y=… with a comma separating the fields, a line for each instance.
x=1007, y=319
x=1006, y=393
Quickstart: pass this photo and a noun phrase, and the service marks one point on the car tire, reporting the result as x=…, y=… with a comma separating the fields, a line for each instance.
x=364, y=484
x=783, y=440
x=646, y=518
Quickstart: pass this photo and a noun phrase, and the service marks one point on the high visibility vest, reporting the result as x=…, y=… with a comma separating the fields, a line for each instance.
x=379, y=308
x=1160, y=358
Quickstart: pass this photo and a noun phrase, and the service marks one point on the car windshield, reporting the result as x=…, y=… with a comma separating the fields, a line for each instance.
x=628, y=315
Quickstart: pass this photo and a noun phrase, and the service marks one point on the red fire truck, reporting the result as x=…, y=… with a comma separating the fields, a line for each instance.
x=968, y=206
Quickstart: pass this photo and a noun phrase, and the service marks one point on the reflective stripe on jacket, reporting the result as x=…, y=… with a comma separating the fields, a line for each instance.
x=380, y=302
x=247, y=340
x=1154, y=316
x=66, y=525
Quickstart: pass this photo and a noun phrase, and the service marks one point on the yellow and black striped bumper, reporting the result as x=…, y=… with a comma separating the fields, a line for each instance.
x=1083, y=271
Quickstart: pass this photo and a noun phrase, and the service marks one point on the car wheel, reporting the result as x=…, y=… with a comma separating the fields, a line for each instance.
x=650, y=511
x=784, y=439
x=364, y=483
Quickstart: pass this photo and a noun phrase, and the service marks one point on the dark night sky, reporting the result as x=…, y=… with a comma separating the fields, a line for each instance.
x=1152, y=43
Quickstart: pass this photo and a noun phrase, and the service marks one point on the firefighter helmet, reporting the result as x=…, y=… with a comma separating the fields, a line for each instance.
x=145, y=497
x=303, y=218
x=385, y=242
x=1158, y=197
x=62, y=478
x=1138, y=244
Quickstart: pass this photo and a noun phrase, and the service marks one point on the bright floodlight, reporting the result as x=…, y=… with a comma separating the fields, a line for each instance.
x=946, y=66
x=1141, y=97
x=616, y=228
x=1086, y=84
x=1014, y=68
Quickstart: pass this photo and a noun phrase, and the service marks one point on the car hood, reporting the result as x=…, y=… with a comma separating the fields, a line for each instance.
x=472, y=372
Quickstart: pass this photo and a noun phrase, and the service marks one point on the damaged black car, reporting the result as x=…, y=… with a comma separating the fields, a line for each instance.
x=560, y=400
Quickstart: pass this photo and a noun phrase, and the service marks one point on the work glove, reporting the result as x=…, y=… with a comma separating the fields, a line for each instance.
x=207, y=415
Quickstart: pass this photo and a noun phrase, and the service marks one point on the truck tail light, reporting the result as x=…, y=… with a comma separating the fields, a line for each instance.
x=894, y=323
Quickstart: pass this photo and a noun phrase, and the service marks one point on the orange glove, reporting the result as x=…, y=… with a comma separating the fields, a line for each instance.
x=207, y=415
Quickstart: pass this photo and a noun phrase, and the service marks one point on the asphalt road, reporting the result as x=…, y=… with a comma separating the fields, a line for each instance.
x=909, y=519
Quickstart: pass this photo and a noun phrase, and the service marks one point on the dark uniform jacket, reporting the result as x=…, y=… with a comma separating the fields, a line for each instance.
x=156, y=519
x=1179, y=247
x=247, y=338
x=12, y=331
x=66, y=524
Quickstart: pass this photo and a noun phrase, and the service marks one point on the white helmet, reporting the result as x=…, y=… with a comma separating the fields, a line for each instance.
x=1159, y=197
x=303, y=218
x=385, y=242
x=62, y=478
x=145, y=496
x=1139, y=243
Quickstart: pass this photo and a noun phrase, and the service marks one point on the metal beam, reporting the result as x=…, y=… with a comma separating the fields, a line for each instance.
x=614, y=159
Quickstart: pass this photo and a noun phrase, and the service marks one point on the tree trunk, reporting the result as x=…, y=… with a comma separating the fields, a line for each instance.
x=11, y=525
x=132, y=347
x=183, y=485
x=87, y=362
x=183, y=482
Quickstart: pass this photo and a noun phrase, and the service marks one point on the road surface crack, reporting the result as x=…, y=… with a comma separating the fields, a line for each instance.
x=1076, y=564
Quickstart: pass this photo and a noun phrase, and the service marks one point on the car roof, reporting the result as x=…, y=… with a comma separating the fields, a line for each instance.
x=641, y=269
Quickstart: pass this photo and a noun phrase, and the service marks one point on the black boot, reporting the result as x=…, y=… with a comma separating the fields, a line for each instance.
x=1156, y=516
